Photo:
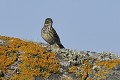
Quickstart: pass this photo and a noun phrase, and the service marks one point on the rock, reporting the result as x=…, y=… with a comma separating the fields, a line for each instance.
x=3, y=42
x=114, y=73
x=59, y=64
x=1, y=74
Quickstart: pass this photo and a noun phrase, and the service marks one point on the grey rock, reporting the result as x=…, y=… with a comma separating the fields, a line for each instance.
x=67, y=59
x=1, y=73
x=114, y=74
x=3, y=42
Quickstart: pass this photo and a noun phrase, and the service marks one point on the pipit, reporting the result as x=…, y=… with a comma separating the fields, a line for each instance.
x=49, y=34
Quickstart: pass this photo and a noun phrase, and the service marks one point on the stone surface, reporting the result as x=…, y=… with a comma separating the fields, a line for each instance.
x=74, y=64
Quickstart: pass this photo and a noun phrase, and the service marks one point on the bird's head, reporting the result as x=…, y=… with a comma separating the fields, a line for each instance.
x=48, y=22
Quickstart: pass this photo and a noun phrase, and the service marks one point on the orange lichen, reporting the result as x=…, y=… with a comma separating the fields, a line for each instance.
x=6, y=57
x=86, y=68
x=35, y=61
x=37, y=65
x=108, y=64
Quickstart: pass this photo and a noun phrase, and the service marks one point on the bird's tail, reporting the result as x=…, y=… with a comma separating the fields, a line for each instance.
x=60, y=45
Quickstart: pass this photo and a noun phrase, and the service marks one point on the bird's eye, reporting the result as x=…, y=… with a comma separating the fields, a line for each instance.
x=47, y=22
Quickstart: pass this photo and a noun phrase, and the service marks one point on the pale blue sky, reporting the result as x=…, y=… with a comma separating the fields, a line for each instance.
x=92, y=25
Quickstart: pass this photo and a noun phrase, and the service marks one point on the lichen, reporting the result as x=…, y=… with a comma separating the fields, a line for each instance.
x=86, y=71
x=72, y=69
x=34, y=60
x=7, y=57
x=108, y=64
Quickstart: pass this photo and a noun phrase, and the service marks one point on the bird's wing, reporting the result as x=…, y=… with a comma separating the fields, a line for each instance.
x=57, y=39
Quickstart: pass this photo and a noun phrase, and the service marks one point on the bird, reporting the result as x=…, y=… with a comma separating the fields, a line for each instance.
x=49, y=34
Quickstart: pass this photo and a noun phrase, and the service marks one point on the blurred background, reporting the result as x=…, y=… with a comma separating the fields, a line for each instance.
x=89, y=25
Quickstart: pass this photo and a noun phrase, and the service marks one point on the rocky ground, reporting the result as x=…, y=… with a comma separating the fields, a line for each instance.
x=20, y=59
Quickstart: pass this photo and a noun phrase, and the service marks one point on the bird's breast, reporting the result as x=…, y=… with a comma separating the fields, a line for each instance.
x=48, y=38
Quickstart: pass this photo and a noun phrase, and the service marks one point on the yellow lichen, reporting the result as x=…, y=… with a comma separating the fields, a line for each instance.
x=35, y=61
x=108, y=64
x=72, y=69
x=86, y=68
x=7, y=57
